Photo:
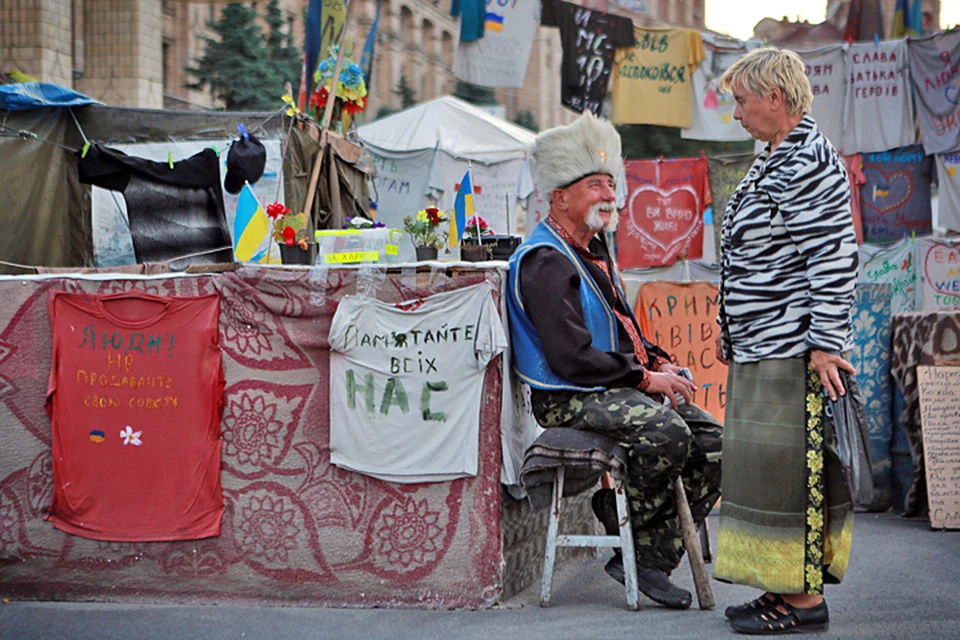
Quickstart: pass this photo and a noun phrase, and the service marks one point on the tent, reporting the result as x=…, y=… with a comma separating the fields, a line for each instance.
x=423, y=151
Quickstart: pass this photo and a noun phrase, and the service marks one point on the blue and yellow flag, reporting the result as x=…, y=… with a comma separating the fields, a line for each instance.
x=907, y=20
x=462, y=209
x=251, y=229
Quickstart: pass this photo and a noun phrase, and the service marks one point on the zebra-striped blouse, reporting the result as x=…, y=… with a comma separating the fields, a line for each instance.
x=789, y=253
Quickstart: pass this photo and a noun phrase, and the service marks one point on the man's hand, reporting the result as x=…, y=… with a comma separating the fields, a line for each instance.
x=720, y=351
x=670, y=384
x=828, y=368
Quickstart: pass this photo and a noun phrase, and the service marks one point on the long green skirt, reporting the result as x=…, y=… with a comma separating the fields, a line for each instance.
x=786, y=518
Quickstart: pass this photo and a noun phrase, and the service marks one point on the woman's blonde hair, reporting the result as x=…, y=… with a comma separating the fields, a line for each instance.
x=763, y=69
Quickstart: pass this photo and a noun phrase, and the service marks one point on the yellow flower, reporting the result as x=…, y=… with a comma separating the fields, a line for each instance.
x=816, y=495
x=815, y=461
x=814, y=404
x=814, y=518
x=814, y=576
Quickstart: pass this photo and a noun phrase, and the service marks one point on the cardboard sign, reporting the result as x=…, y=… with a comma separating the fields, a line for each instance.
x=663, y=217
x=940, y=420
x=681, y=318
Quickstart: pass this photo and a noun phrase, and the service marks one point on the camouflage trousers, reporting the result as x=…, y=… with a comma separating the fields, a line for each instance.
x=662, y=444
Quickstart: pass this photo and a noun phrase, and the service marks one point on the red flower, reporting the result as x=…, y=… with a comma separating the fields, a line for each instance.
x=433, y=214
x=319, y=98
x=354, y=107
x=289, y=234
x=276, y=209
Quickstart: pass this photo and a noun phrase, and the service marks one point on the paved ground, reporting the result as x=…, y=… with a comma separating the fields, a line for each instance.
x=903, y=583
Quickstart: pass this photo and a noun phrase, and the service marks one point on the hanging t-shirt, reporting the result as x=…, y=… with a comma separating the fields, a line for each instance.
x=712, y=110
x=134, y=401
x=895, y=265
x=878, y=114
x=589, y=39
x=854, y=167
x=663, y=217
x=939, y=266
x=652, y=78
x=948, y=179
x=933, y=67
x=895, y=197
x=827, y=73
x=406, y=382
x=725, y=173
x=499, y=58
x=172, y=212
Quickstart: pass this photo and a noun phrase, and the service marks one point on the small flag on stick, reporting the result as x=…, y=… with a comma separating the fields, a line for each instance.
x=462, y=208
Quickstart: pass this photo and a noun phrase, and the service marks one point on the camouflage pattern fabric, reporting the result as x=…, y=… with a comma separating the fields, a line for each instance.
x=662, y=444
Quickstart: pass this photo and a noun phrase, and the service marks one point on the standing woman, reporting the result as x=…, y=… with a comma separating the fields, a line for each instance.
x=788, y=275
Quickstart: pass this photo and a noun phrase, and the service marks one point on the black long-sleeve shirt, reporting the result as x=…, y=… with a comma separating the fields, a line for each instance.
x=550, y=285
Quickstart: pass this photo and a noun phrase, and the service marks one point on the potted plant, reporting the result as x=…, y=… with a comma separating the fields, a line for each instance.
x=425, y=233
x=478, y=240
x=290, y=232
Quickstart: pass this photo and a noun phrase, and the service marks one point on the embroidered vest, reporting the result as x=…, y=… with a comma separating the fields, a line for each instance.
x=529, y=361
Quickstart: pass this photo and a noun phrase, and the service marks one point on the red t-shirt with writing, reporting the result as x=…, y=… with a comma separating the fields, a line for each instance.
x=134, y=399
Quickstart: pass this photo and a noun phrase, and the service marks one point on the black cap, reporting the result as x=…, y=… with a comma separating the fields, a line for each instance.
x=245, y=162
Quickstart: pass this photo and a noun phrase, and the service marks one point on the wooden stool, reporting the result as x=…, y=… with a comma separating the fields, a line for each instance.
x=555, y=539
x=587, y=455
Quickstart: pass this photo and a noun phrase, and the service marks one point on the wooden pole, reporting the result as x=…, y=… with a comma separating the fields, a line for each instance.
x=692, y=544
x=328, y=112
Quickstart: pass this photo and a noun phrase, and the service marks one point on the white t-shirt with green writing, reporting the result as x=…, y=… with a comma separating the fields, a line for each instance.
x=406, y=381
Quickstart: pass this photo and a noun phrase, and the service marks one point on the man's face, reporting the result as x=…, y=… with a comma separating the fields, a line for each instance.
x=756, y=114
x=591, y=200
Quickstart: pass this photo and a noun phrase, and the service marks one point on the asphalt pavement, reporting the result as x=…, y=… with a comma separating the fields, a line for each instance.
x=902, y=583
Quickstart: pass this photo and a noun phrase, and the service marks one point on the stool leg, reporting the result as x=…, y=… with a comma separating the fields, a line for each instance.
x=692, y=545
x=705, y=542
x=550, y=554
x=626, y=547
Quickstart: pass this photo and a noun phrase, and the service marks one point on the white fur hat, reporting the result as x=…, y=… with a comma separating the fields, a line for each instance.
x=569, y=152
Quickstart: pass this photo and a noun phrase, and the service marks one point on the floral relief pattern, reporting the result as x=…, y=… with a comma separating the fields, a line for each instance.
x=9, y=526
x=259, y=420
x=252, y=430
x=407, y=536
x=269, y=527
x=244, y=325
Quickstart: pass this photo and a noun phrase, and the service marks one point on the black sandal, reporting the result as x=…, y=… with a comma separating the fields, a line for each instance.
x=772, y=621
x=748, y=609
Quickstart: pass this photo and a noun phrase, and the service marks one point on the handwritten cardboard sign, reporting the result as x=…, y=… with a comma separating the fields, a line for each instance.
x=681, y=318
x=940, y=417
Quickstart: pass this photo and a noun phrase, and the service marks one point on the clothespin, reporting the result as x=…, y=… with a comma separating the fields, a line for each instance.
x=243, y=132
x=913, y=235
x=876, y=40
x=215, y=150
x=170, y=159
x=86, y=147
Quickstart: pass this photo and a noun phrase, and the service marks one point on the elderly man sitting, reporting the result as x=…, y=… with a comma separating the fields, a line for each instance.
x=579, y=347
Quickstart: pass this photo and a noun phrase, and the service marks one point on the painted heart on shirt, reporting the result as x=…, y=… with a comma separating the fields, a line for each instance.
x=666, y=218
x=885, y=192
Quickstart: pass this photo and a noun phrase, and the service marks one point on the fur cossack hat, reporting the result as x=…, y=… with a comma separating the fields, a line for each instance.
x=570, y=152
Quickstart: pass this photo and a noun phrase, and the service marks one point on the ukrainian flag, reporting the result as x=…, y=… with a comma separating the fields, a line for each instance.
x=251, y=229
x=907, y=20
x=462, y=209
x=494, y=22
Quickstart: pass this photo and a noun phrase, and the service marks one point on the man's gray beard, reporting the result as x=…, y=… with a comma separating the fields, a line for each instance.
x=595, y=222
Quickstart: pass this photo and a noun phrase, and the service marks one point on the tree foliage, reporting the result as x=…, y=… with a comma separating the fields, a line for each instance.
x=243, y=67
x=407, y=97
x=526, y=120
x=642, y=141
x=474, y=94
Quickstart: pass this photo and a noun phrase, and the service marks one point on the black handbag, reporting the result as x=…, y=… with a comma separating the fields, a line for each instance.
x=850, y=429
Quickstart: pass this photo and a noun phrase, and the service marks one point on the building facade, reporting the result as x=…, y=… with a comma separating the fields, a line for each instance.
x=134, y=52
